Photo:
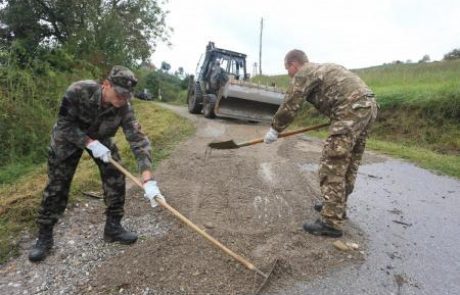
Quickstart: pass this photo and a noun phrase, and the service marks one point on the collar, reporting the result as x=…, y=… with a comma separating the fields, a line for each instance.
x=100, y=106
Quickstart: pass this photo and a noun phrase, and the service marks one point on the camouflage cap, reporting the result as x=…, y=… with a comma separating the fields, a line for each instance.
x=123, y=80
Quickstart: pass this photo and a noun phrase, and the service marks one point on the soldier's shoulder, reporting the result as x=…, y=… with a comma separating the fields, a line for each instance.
x=83, y=85
x=335, y=70
x=331, y=66
x=307, y=69
x=82, y=88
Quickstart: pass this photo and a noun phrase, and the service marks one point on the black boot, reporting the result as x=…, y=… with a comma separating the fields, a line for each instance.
x=319, y=228
x=43, y=245
x=114, y=232
x=319, y=206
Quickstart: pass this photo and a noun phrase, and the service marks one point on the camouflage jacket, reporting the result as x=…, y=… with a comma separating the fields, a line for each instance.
x=332, y=89
x=81, y=115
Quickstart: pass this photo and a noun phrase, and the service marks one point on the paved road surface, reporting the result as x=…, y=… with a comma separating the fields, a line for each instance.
x=412, y=219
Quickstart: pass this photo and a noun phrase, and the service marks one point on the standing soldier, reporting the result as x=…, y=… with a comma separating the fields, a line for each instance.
x=89, y=116
x=349, y=103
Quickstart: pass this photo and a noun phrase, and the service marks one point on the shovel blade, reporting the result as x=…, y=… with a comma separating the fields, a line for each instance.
x=267, y=276
x=224, y=145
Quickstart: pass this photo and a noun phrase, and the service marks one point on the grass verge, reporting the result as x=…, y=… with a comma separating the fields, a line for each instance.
x=19, y=200
x=446, y=164
x=423, y=156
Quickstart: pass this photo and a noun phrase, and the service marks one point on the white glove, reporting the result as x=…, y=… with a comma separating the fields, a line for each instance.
x=152, y=192
x=99, y=150
x=271, y=136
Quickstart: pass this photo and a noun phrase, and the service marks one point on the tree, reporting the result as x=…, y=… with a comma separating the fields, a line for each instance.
x=454, y=54
x=168, y=85
x=180, y=73
x=105, y=32
x=165, y=67
x=425, y=59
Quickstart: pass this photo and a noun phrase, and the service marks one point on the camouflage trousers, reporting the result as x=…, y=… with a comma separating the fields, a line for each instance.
x=341, y=157
x=60, y=174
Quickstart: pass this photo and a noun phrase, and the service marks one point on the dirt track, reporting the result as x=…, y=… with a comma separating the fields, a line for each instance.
x=254, y=200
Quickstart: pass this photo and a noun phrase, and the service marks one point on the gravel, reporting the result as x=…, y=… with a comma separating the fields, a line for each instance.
x=79, y=249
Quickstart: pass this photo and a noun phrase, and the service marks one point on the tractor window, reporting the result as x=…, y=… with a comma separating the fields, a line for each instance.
x=234, y=69
x=224, y=64
x=199, y=65
x=231, y=66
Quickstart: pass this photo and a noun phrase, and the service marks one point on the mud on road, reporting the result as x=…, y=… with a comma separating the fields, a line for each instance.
x=254, y=200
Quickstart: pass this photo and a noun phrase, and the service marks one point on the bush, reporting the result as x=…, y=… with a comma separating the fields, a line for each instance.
x=454, y=54
x=160, y=83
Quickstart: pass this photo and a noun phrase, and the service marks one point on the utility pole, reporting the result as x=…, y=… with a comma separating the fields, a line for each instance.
x=260, y=45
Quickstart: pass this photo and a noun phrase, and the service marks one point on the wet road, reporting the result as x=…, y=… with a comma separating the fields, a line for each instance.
x=412, y=220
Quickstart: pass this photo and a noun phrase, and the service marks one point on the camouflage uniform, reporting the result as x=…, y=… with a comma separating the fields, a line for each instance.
x=82, y=115
x=349, y=103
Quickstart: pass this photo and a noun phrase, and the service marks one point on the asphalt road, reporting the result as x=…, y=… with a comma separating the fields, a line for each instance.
x=411, y=217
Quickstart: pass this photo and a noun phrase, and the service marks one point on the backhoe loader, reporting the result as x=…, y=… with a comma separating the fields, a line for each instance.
x=221, y=88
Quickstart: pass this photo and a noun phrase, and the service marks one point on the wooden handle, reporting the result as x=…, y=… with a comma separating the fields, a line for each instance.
x=260, y=140
x=191, y=224
x=303, y=130
x=126, y=172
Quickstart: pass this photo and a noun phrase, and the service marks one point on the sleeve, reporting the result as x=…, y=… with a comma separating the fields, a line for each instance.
x=301, y=86
x=138, y=141
x=67, y=127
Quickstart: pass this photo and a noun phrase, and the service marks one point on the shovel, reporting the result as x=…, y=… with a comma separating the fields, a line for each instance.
x=184, y=219
x=230, y=144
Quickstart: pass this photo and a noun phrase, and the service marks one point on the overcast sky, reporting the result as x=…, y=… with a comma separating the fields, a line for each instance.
x=353, y=33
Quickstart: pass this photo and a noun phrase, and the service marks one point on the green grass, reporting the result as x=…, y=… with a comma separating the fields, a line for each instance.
x=423, y=157
x=446, y=164
x=433, y=87
x=29, y=102
x=20, y=199
x=394, y=144
x=11, y=172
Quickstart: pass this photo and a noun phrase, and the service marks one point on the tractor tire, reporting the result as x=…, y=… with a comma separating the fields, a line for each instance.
x=208, y=110
x=194, y=99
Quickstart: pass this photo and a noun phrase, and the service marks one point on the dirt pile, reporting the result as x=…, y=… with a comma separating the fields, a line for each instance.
x=254, y=200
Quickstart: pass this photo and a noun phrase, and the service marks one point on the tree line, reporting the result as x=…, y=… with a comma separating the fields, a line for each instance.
x=101, y=32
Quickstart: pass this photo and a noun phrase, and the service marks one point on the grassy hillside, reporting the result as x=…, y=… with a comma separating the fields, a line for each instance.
x=19, y=200
x=416, y=84
x=420, y=112
x=29, y=102
x=420, y=104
